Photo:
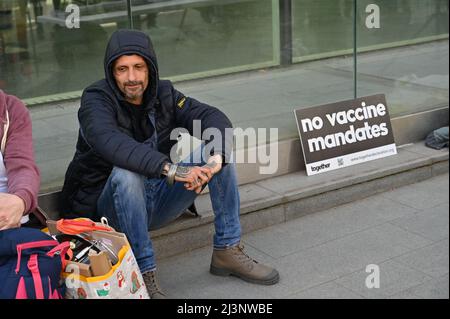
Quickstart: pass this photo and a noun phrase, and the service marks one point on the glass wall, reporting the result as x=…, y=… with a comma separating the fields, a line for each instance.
x=401, y=22
x=321, y=28
x=401, y=45
x=44, y=53
x=406, y=56
x=213, y=37
x=322, y=32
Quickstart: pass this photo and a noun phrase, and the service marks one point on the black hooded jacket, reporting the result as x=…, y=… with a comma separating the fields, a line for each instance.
x=110, y=135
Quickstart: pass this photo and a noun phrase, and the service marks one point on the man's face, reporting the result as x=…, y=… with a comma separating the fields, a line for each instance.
x=131, y=75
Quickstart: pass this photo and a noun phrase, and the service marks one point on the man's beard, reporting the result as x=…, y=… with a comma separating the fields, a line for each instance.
x=134, y=95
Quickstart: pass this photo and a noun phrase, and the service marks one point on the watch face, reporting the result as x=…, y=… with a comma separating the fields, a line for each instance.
x=80, y=247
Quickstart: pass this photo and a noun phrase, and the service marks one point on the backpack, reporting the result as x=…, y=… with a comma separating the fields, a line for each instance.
x=30, y=264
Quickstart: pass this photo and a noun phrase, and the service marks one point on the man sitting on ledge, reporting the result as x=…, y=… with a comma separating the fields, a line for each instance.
x=122, y=170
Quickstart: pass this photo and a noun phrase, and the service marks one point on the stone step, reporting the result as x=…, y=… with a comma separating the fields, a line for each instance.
x=283, y=198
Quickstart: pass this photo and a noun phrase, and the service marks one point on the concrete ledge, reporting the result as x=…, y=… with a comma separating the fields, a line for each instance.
x=290, y=196
x=282, y=198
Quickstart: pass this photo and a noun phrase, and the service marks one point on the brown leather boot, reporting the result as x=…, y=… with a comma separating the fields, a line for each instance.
x=234, y=261
x=152, y=285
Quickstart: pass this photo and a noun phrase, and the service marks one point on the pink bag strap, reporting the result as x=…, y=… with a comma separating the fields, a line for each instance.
x=63, y=249
x=33, y=266
x=21, y=290
x=34, y=244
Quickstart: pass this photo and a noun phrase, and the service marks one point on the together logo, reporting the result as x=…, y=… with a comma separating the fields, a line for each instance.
x=320, y=167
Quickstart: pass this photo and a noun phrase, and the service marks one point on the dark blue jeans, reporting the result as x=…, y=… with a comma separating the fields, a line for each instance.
x=135, y=204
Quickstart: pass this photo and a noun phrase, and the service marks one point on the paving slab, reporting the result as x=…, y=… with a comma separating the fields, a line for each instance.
x=434, y=289
x=423, y=195
x=432, y=259
x=394, y=278
x=339, y=257
x=312, y=230
x=431, y=223
x=187, y=276
x=329, y=290
x=324, y=255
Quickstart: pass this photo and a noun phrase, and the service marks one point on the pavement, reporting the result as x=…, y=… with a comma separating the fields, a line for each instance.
x=402, y=235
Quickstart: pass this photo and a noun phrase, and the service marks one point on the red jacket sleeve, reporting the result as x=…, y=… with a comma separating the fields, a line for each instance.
x=22, y=172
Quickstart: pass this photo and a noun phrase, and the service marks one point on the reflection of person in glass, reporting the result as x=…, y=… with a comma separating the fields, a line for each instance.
x=122, y=168
x=322, y=26
x=9, y=20
x=14, y=51
x=6, y=24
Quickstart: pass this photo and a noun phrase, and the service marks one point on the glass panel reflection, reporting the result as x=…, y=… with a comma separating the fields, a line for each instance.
x=321, y=28
x=43, y=52
x=200, y=38
x=42, y=56
x=407, y=56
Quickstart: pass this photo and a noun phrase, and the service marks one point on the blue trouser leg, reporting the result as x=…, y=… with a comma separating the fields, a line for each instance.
x=223, y=191
x=134, y=204
x=123, y=202
x=224, y=194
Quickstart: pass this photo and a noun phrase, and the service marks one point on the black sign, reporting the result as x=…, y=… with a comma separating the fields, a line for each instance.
x=345, y=133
